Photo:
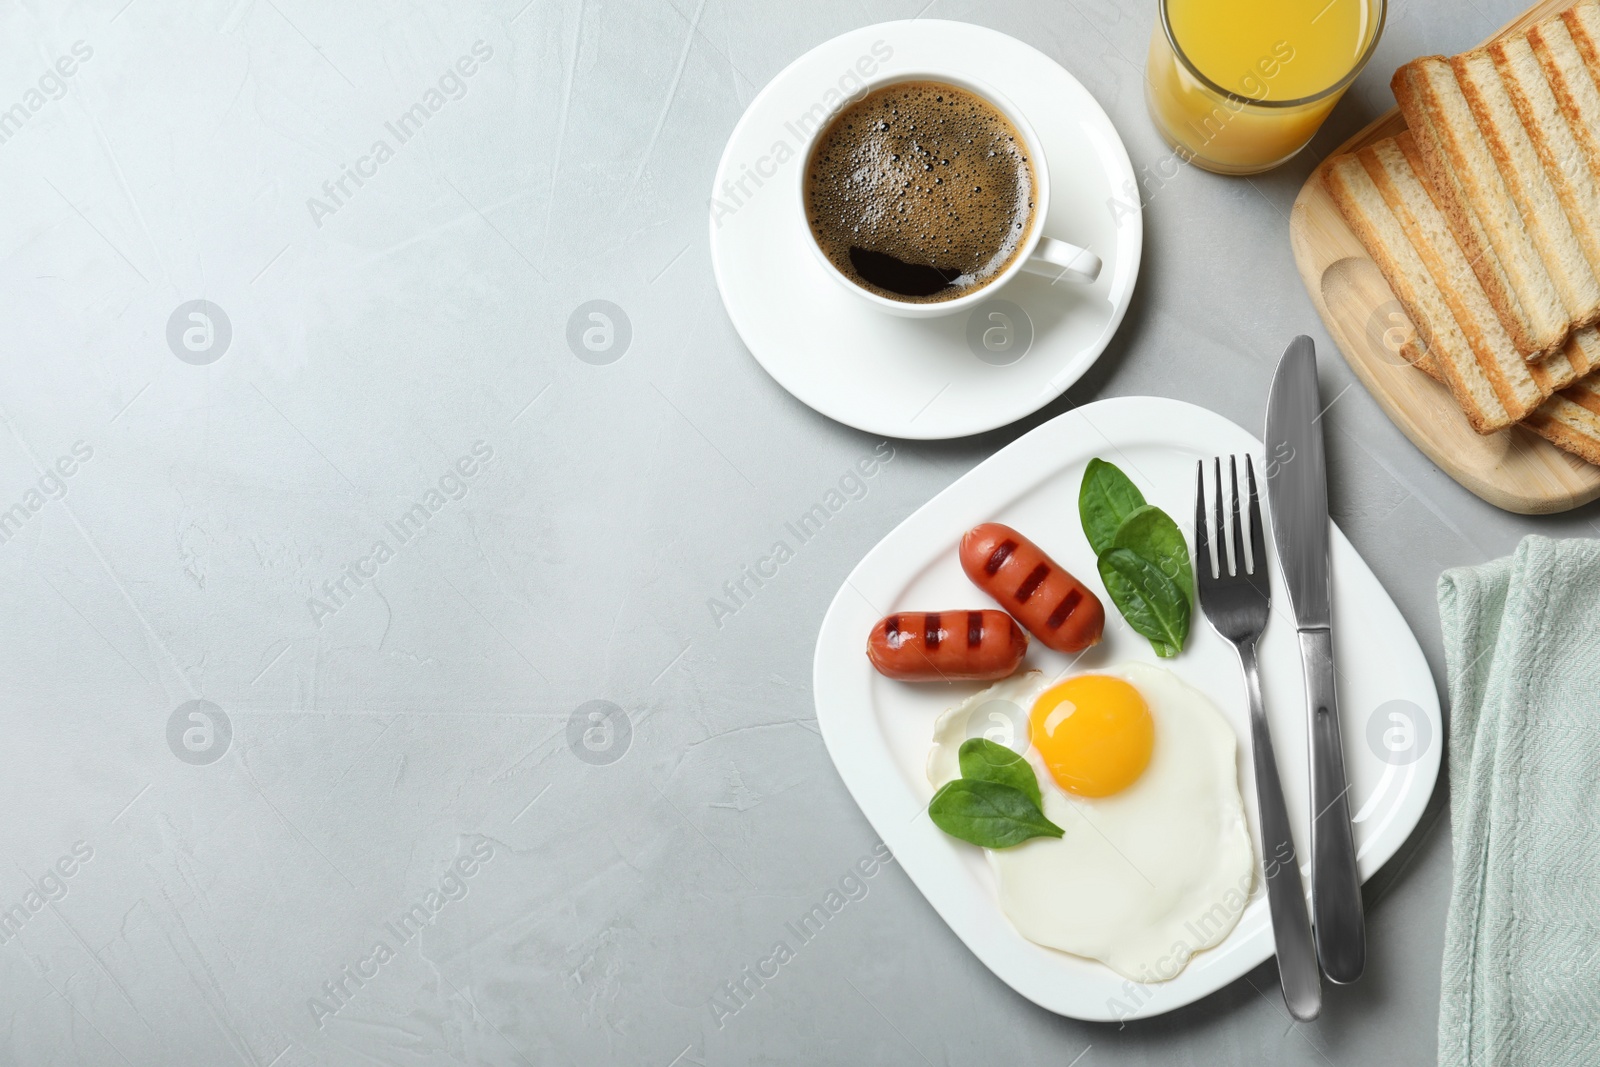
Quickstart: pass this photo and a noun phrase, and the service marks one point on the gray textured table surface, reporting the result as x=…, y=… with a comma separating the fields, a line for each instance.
x=377, y=725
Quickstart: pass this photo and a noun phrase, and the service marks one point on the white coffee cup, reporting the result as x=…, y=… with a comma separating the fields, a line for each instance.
x=1038, y=254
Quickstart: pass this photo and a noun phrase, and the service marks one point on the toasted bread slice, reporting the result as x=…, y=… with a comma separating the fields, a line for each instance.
x=1583, y=25
x=1470, y=189
x=1570, y=420
x=1554, y=168
x=1577, y=358
x=1511, y=142
x=1418, y=357
x=1362, y=202
x=1538, y=206
x=1517, y=382
x=1572, y=84
x=1462, y=342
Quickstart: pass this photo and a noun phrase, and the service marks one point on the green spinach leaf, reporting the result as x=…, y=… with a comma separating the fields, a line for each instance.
x=1105, y=499
x=1150, y=601
x=1151, y=533
x=983, y=760
x=988, y=814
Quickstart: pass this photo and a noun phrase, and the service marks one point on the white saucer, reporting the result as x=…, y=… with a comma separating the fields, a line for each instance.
x=920, y=378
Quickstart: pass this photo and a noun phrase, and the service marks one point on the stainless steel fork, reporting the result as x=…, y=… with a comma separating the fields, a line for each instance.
x=1237, y=601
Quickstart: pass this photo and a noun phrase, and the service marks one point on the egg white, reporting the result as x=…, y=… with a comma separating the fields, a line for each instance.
x=999, y=713
x=1142, y=879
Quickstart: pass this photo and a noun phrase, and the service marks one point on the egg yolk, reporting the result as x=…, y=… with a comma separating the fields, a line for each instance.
x=1094, y=733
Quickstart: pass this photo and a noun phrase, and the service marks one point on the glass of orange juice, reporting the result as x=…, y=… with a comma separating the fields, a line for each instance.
x=1240, y=86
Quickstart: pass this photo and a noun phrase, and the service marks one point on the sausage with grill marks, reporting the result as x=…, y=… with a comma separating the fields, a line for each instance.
x=1056, y=608
x=947, y=646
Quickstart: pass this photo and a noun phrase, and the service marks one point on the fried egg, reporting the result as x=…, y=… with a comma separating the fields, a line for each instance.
x=1139, y=771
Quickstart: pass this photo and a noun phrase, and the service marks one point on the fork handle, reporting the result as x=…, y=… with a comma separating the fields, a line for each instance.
x=1286, y=897
x=1335, y=885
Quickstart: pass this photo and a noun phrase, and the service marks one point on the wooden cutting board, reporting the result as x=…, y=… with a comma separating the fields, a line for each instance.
x=1514, y=469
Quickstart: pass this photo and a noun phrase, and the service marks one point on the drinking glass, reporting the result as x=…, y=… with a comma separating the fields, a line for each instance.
x=1244, y=127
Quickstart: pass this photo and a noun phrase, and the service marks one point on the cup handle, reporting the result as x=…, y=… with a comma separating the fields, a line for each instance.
x=1059, y=260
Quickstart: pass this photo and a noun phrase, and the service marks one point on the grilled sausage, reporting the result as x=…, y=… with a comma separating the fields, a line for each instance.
x=1056, y=608
x=947, y=646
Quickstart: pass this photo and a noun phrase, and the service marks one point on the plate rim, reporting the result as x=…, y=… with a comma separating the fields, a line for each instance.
x=853, y=760
x=1069, y=375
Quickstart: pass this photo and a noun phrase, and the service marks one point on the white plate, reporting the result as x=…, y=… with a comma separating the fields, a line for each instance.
x=878, y=731
x=919, y=378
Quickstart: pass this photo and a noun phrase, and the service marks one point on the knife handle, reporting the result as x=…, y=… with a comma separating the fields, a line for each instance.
x=1336, y=909
x=1286, y=896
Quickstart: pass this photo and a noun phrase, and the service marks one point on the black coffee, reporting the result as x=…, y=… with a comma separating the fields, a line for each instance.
x=920, y=192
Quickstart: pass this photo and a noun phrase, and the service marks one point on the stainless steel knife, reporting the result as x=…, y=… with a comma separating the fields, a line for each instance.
x=1297, y=493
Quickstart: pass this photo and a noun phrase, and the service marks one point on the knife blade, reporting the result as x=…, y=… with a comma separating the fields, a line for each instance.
x=1297, y=496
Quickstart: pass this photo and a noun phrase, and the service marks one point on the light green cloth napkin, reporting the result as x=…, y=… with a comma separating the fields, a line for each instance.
x=1522, y=942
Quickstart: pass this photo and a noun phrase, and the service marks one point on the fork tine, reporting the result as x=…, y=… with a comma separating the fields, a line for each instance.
x=1223, y=570
x=1238, y=533
x=1257, y=536
x=1202, y=537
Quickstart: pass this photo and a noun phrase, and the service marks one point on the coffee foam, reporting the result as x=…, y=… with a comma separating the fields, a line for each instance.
x=926, y=173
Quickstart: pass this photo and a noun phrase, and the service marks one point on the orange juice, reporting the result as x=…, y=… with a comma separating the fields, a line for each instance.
x=1239, y=86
